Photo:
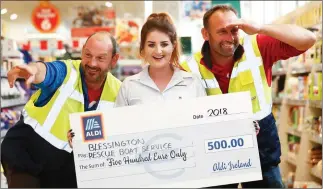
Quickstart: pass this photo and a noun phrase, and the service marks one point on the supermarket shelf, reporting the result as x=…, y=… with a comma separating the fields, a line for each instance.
x=13, y=102
x=317, y=67
x=294, y=131
x=315, y=103
x=315, y=172
x=316, y=138
x=301, y=71
x=3, y=74
x=303, y=176
x=277, y=101
x=279, y=73
x=294, y=102
x=291, y=158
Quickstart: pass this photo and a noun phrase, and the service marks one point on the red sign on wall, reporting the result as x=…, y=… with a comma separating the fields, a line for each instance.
x=60, y=45
x=45, y=17
x=43, y=45
x=75, y=43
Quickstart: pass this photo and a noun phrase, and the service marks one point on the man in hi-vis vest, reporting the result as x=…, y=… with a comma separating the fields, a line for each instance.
x=229, y=64
x=35, y=152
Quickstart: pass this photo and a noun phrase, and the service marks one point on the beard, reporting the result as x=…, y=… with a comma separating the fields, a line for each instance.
x=95, y=74
x=227, y=49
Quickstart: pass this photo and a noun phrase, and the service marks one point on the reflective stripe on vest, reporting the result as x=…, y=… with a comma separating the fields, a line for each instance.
x=251, y=63
x=77, y=96
x=103, y=104
x=49, y=137
x=67, y=90
x=53, y=123
x=207, y=83
x=44, y=130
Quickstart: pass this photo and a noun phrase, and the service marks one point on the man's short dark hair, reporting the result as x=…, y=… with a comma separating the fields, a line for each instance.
x=222, y=8
x=114, y=45
x=113, y=41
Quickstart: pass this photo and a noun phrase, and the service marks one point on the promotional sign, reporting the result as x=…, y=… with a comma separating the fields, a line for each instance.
x=197, y=142
x=45, y=17
x=194, y=10
x=91, y=19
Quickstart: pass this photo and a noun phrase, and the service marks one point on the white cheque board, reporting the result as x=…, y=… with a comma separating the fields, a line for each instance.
x=200, y=142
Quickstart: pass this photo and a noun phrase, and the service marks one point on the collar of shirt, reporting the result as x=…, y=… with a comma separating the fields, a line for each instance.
x=88, y=106
x=178, y=78
x=206, y=55
x=218, y=69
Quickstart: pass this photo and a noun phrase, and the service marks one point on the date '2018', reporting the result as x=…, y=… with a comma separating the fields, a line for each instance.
x=217, y=112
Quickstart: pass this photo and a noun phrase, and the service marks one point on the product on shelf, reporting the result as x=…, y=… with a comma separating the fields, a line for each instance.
x=314, y=125
x=279, y=66
x=318, y=51
x=318, y=46
x=7, y=92
x=276, y=112
x=296, y=116
x=293, y=144
x=300, y=64
x=16, y=92
x=9, y=117
x=296, y=88
x=317, y=169
x=10, y=56
x=315, y=155
x=290, y=180
x=315, y=86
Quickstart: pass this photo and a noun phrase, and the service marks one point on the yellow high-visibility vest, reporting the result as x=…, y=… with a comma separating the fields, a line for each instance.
x=248, y=74
x=51, y=121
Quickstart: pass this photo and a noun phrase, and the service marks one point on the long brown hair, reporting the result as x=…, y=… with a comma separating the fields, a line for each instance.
x=164, y=23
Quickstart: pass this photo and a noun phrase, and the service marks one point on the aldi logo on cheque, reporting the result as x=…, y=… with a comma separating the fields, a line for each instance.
x=92, y=127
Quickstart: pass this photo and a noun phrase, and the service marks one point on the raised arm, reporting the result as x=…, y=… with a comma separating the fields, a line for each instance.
x=293, y=35
x=298, y=37
x=33, y=73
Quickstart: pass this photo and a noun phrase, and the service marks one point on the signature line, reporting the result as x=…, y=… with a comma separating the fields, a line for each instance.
x=233, y=170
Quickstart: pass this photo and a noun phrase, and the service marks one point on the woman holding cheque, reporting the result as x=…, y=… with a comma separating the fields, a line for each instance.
x=162, y=78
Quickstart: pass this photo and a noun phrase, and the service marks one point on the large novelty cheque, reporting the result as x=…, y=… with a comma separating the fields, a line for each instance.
x=198, y=142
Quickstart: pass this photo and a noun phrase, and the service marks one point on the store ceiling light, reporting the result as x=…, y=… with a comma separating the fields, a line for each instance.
x=13, y=16
x=4, y=11
x=108, y=4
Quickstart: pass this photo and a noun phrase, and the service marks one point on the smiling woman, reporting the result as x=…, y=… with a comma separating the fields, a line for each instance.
x=159, y=36
x=162, y=77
